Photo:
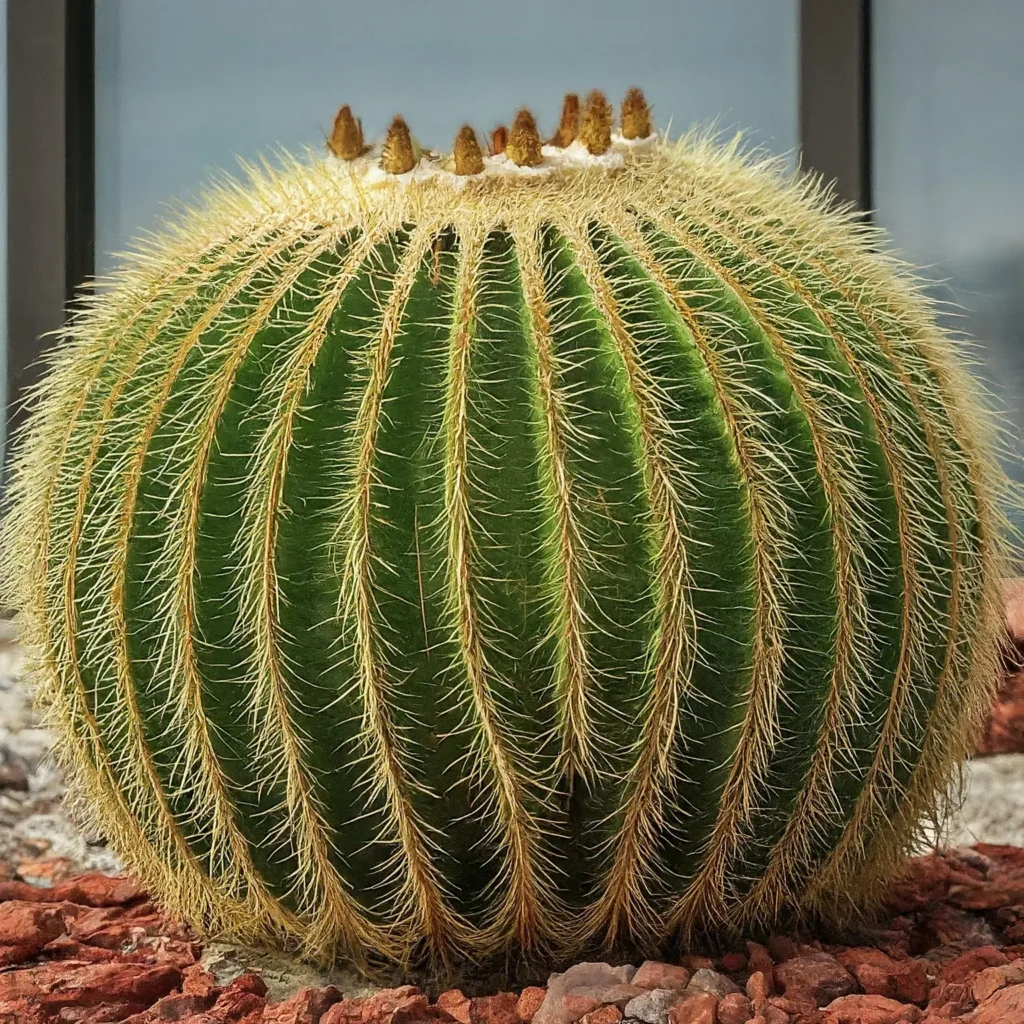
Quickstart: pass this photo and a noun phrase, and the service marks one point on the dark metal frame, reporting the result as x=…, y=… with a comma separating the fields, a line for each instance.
x=50, y=174
x=51, y=148
x=835, y=94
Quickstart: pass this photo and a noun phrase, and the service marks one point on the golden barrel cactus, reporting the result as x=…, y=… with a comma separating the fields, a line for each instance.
x=581, y=545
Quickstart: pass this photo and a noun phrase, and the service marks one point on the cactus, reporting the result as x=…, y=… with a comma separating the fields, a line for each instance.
x=584, y=545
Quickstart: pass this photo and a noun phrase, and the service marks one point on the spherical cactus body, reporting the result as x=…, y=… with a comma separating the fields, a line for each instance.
x=579, y=546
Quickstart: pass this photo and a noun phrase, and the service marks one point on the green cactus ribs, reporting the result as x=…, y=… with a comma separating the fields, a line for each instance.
x=542, y=547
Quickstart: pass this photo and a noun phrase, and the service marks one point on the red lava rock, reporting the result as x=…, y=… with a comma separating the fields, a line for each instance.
x=233, y=1008
x=926, y=881
x=11, y=890
x=994, y=978
x=758, y=989
x=106, y=1014
x=45, y=870
x=802, y=1006
x=870, y=1009
x=250, y=982
x=529, y=1003
x=655, y=974
x=456, y=1004
x=376, y=1009
x=496, y=1009
x=734, y=1009
x=953, y=942
x=577, y=1007
x=733, y=963
x=97, y=891
x=87, y=890
x=117, y=927
x=758, y=958
x=782, y=948
x=176, y=1006
x=974, y=960
x=959, y=930
x=241, y=1002
x=696, y=963
x=603, y=1015
x=599, y=983
x=950, y=1000
x=696, y=1008
x=20, y=1011
x=57, y=985
x=307, y=1006
x=1003, y=1007
x=25, y=928
x=816, y=977
x=879, y=974
x=981, y=896
x=1004, y=733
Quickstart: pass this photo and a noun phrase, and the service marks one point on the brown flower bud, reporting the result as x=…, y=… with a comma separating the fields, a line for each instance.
x=569, y=125
x=346, y=141
x=636, y=115
x=499, y=140
x=523, y=146
x=596, y=130
x=468, y=158
x=398, y=155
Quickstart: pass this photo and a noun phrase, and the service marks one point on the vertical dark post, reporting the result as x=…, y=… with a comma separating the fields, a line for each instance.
x=80, y=142
x=835, y=94
x=50, y=174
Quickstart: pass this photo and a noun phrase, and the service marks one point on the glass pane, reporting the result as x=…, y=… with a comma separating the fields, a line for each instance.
x=185, y=87
x=949, y=167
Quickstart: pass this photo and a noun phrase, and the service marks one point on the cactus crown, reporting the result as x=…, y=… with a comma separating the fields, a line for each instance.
x=583, y=544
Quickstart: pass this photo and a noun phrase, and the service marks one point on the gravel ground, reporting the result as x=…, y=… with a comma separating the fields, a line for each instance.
x=993, y=811
x=38, y=842
x=41, y=845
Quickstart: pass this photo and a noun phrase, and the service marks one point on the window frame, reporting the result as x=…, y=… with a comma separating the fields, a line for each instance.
x=50, y=177
x=51, y=151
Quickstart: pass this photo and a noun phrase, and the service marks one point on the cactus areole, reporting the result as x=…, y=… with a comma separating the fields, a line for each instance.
x=543, y=548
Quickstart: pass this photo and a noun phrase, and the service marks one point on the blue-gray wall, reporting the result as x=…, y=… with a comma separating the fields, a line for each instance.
x=949, y=167
x=184, y=87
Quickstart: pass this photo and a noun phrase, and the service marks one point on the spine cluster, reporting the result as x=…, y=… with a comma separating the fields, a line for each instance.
x=535, y=569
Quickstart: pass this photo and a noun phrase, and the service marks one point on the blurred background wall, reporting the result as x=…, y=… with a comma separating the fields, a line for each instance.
x=947, y=137
x=186, y=88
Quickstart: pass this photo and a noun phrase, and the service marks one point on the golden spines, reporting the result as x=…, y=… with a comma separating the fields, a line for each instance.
x=569, y=125
x=523, y=146
x=346, y=141
x=468, y=158
x=596, y=130
x=636, y=115
x=398, y=155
